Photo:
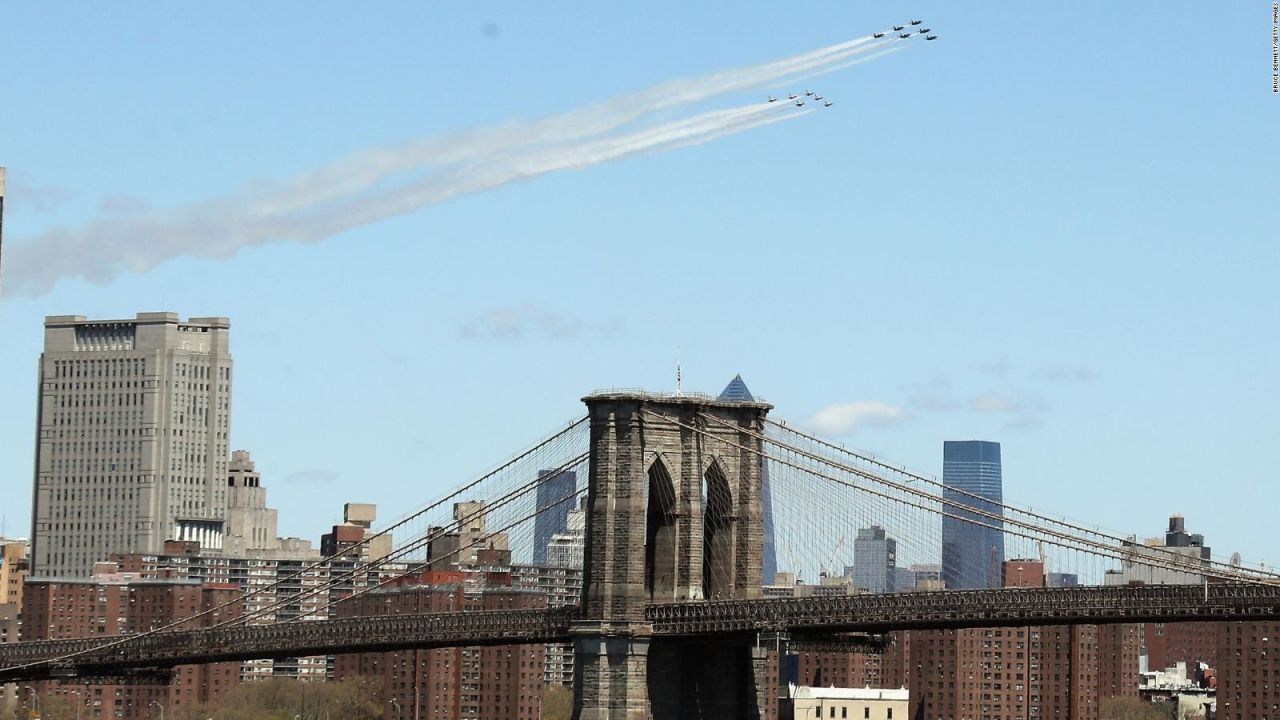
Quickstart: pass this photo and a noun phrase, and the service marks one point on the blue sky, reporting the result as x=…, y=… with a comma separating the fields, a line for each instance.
x=1054, y=228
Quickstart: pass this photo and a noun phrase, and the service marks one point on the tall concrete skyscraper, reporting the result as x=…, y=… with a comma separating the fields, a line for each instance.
x=131, y=439
x=972, y=554
x=737, y=390
x=553, y=493
x=875, y=557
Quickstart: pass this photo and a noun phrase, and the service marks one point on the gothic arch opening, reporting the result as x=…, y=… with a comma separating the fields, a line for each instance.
x=717, y=534
x=660, y=534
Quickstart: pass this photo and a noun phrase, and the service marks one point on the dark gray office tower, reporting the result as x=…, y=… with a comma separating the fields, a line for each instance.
x=875, y=556
x=553, y=493
x=737, y=390
x=972, y=552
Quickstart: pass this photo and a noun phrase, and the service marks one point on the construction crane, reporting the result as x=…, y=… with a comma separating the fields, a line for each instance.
x=822, y=570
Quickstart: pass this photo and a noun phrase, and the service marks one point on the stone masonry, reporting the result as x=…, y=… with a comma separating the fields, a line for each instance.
x=648, y=535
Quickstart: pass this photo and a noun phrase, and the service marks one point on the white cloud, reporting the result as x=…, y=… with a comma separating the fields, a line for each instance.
x=993, y=403
x=847, y=418
x=1025, y=410
x=40, y=198
x=932, y=395
x=513, y=323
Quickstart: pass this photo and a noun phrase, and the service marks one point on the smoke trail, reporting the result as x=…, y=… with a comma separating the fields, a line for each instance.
x=367, y=168
x=350, y=193
x=435, y=189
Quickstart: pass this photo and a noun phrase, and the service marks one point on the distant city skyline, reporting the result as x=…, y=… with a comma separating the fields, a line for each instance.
x=1017, y=267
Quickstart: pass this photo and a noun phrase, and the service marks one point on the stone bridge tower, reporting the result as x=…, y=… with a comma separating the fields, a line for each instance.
x=673, y=515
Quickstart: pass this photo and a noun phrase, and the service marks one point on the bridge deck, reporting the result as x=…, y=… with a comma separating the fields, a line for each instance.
x=854, y=613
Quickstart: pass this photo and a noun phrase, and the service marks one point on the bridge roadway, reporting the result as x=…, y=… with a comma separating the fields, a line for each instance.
x=854, y=613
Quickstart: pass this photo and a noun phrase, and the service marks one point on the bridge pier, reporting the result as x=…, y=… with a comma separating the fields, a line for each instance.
x=611, y=677
x=673, y=515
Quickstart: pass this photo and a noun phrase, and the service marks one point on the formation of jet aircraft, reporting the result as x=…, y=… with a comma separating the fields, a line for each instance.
x=799, y=100
x=904, y=35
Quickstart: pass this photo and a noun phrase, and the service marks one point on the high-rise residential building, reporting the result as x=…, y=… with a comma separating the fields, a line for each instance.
x=284, y=582
x=1185, y=551
x=566, y=549
x=501, y=682
x=737, y=390
x=555, y=493
x=1182, y=556
x=13, y=571
x=355, y=537
x=467, y=544
x=14, y=568
x=133, y=423
x=111, y=603
x=928, y=576
x=251, y=525
x=1057, y=579
x=1008, y=673
x=972, y=539
x=561, y=585
x=1248, y=669
x=875, y=556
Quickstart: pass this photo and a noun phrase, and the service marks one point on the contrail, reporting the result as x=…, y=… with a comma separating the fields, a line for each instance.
x=501, y=171
x=365, y=169
x=354, y=191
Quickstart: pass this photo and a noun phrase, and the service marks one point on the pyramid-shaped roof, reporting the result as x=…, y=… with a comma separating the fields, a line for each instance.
x=737, y=390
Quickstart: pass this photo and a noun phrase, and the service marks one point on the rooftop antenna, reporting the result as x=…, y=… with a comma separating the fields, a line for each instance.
x=679, y=392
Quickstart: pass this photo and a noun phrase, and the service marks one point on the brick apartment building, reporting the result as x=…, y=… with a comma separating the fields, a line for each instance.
x=478, y=683
x=997, y=673
x=112, y=603
x=1248, y=670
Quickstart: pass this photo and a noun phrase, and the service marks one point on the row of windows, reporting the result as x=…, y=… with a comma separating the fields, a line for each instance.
x=844, y=712
x=100, y=367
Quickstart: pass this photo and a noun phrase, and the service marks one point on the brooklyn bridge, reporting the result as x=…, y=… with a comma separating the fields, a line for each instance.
x=681, y=494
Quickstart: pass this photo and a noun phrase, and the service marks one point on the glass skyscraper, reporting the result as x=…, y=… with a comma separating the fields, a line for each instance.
x=972, y=554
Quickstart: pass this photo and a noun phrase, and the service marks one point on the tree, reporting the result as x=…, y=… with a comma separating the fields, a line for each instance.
x=283, y=699
x=1118, y=708
x=557, y=703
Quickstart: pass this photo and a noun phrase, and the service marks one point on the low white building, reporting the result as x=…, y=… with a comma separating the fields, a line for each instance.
x=849, y=703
